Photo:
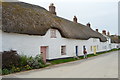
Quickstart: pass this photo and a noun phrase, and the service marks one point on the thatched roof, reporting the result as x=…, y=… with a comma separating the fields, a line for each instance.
x=24, y=18
x=115, y=39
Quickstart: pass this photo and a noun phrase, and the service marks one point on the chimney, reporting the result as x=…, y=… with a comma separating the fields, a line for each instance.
x=96, y=30
x=104, y=32
x=108, y=33
x=75, y=19
x=88, y=24
x=52, y=8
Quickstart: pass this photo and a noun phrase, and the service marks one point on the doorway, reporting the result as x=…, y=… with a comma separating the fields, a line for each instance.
x=76, y=47
x=94, y=47
x=44, y=51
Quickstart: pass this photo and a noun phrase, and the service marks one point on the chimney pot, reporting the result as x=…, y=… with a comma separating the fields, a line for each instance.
x=75, y=19
x=88, y=24
x=104, y=32
x=97, y=30
x=108, y=33
x=52, y=8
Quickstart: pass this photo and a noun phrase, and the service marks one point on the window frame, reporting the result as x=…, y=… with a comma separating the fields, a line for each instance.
x=63, y=50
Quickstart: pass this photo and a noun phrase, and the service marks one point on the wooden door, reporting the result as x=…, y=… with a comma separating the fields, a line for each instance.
x=94, y=49
x=76, y=50
x=44, y=52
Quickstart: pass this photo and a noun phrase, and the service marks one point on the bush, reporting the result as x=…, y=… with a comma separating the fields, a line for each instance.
x=15, y=69
x=10, y=58
x=36, y=62
x=12, y=62
x=5, y=71
x=12, y=69
x=27, y=67
x=23, y=60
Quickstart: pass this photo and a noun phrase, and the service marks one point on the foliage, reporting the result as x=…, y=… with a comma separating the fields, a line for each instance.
x=5, y=71
x=15, y=69
x=16, y=63
x=27, y=67
x=36, y=62
x=10, y=58
x=23, y=60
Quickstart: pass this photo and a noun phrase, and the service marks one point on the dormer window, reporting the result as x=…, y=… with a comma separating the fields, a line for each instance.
x=53, y=33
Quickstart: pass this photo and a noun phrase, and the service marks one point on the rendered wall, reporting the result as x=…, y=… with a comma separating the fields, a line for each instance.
x=30, y=44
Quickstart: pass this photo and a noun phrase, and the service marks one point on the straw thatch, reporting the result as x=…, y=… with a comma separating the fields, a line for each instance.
x=115, y=39
x=23, y=18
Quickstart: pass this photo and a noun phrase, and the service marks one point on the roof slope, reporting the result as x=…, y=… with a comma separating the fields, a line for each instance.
x=115, y=39
x=24, y=18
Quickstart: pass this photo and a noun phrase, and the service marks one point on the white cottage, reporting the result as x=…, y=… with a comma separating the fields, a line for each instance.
x=32, y=30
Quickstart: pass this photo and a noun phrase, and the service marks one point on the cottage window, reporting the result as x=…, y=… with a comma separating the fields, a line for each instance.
x=63, y=50
x=53, y=33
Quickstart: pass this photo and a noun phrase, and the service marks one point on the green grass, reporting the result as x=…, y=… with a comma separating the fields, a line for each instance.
x=58, y=61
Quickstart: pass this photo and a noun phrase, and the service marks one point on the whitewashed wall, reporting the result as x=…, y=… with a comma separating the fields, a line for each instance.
x=30, y=44
x=114, y=45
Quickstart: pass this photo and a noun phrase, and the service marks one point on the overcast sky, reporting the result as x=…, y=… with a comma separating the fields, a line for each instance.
x=102, y=14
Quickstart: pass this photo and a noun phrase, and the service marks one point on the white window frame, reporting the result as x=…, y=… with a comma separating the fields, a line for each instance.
x=63, y=50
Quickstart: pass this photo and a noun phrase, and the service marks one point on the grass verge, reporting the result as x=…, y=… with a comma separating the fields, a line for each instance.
x=58, y=61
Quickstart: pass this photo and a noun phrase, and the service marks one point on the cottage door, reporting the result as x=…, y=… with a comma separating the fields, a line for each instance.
x=76, y=50
x=44, y=52
x=94, y=49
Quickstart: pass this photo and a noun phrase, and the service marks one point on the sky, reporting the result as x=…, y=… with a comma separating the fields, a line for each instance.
x=102, y=14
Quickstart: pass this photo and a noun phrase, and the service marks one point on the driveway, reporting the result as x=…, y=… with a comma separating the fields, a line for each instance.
x=102, y=66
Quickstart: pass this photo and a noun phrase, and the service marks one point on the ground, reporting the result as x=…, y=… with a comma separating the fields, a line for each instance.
x=102, y=66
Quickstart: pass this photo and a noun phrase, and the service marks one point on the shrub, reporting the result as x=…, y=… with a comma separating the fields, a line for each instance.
x=17, y=69
x=5, y=71
x=23, y=60
x=12, y=69
x=36, y=62
x=10, y=58
x=12, y=62
x=27, y=67
x=39, y=59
